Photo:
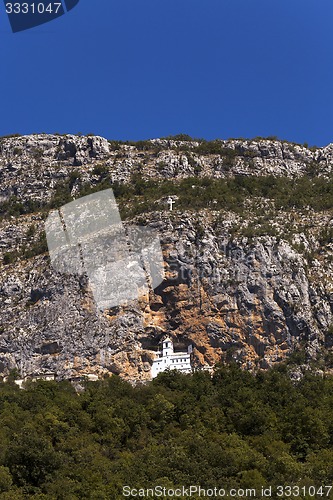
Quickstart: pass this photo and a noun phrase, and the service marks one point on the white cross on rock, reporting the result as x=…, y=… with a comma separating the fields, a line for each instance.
x=170, y=202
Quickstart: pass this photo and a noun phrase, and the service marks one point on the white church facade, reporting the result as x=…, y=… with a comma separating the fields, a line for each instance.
x=170, y=360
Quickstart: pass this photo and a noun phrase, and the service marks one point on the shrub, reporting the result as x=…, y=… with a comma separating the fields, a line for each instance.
x=9, y=257
x=100, y=170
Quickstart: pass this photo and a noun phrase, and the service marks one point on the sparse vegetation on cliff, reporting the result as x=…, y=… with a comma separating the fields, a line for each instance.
x=193, y=193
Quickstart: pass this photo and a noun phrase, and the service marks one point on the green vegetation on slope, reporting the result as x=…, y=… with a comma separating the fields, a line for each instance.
x=227, y=194
x=194, y=193
x=233, y=430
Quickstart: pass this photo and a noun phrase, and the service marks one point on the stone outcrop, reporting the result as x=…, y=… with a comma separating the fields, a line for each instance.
x=32, y=165
x=254, y=299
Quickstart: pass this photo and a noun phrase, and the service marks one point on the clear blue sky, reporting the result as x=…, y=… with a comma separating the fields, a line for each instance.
x=130, y=69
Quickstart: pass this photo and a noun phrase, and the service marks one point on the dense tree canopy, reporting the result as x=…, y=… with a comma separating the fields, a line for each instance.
x=234, y=430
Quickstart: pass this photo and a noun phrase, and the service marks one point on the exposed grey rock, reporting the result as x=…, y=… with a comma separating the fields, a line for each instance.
x=251, y=299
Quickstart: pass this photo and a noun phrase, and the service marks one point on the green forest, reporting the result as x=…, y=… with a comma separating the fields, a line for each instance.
x=234, y=429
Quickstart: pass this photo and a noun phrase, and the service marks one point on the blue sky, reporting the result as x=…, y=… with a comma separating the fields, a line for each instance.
x=130, y=69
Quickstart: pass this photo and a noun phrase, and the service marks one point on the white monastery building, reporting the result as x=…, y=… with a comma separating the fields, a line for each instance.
x=168, y=359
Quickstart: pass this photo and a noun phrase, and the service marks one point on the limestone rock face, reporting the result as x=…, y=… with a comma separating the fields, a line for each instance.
x=251, y=299
x=32, y=165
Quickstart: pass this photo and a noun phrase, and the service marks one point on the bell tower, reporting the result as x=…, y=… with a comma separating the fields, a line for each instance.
x=167, y=347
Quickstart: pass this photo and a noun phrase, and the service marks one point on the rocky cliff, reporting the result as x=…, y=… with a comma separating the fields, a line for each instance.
x=253, y=284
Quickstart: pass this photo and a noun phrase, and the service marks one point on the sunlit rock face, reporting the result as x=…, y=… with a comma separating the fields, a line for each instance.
x=253, y=298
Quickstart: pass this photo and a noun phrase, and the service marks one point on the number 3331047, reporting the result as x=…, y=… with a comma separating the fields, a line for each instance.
x=32, y=8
